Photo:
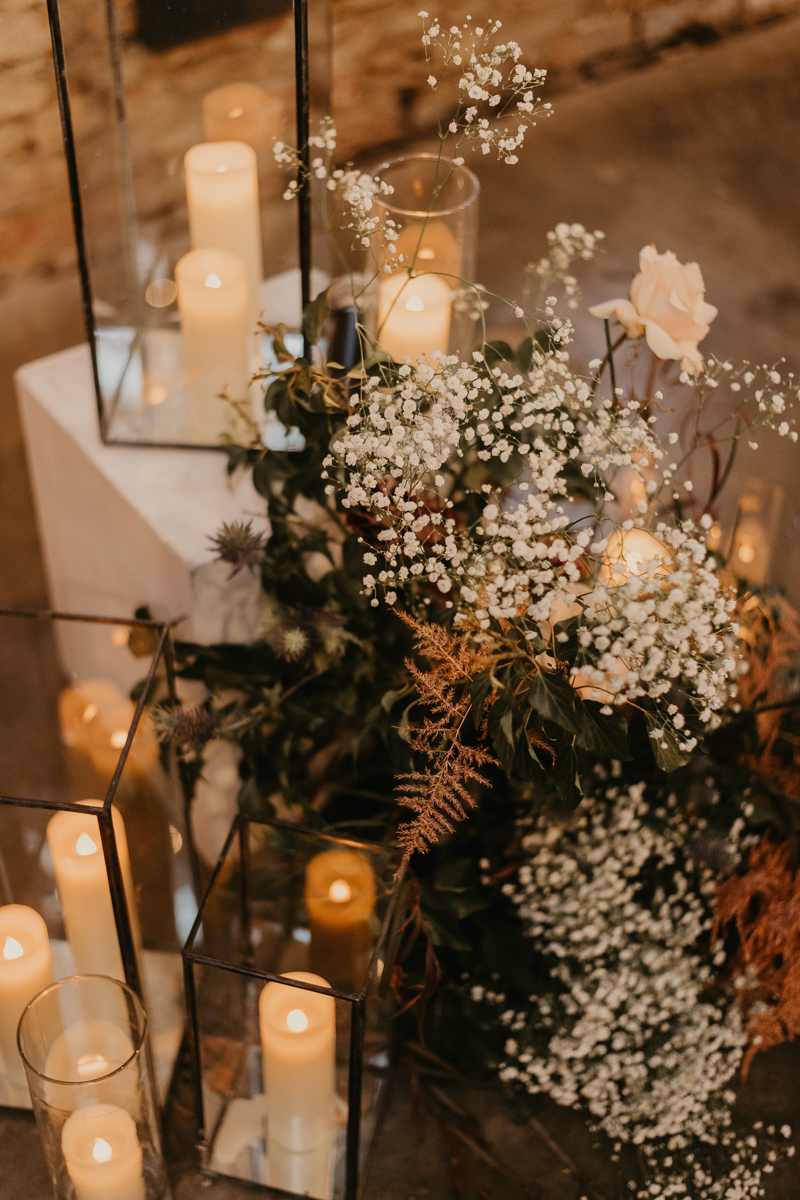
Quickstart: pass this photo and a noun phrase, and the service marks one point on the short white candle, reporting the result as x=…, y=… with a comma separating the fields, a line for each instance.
x=243, y=112
x=80, y=870
x=222, y=194
x=212, y=298
x=25, y=970
x=298, y=1034
x=413, y=315
x=103, y=1154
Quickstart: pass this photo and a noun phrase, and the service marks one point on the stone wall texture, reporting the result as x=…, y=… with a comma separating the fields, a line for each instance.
x=379, y=94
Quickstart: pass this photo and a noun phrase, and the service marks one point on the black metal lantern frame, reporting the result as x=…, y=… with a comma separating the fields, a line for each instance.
x=26, y=877
x=141, y=381
x=256, y=927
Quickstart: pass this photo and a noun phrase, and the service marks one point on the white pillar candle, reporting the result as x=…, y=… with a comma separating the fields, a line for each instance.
x=212, y=298
x=102, y=1154
x=298, y=1034
x=429, y=247
x=243, y=112
x=222, y=194
x=413, y=315
x=80, y=870
x=25, y=970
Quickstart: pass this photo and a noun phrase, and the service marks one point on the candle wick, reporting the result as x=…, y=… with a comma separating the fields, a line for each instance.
x=12, y=949
x=85, y=846
x=92, y=1065
x=414, y=304
x=297, y=1020
x=101, y=1150
x=213, y=281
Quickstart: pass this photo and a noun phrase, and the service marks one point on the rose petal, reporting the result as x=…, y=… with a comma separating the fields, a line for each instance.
x=660, y=342
x=625, y=313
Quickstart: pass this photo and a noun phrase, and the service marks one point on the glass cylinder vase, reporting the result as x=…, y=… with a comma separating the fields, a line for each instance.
x=425, y=298
x=83, y=1042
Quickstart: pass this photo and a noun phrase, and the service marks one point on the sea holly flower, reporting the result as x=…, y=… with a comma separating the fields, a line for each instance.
x=667, y=304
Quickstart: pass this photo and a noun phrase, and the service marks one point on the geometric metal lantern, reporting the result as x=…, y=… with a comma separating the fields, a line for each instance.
x=169, y=113
x=287, y=974
x=94, y=836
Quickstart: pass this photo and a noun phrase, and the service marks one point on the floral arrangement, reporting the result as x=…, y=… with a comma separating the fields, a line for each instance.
x=491, y=594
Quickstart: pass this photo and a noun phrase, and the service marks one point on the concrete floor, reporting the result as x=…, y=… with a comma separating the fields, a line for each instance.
x=699, y=153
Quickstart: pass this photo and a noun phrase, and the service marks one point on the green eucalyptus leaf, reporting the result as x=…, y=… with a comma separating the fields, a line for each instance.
x=314, y=318
x=479, y=690
x=603, y=734
x=567, y=778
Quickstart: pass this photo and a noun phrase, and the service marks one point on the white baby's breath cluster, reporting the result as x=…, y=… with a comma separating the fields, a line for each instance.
x=493, y=84
x=565, y=244
x=618, y=909
x=618, y=905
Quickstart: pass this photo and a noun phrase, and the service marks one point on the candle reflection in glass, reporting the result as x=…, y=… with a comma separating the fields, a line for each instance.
x=25, y=970
x=340, y=899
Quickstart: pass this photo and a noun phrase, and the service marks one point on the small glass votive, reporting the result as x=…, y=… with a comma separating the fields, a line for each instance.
x=434, y=204
x=83, y=1043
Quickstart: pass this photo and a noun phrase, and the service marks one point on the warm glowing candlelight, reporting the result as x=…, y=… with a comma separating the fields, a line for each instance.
x=413, y=315
x=80, y=869
x=340, y=898
x=103, y=1154
x=25, y=970
x=298, y=1035
x=634, y=552
x=243, y=112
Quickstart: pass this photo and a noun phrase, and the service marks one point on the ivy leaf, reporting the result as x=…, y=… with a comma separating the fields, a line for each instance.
x=604, y=735
x=527, y=764
x=479, y=690
x=666, y=747
x=553, y=698
x=314, y=318
x=567, y=778
x=501, y=731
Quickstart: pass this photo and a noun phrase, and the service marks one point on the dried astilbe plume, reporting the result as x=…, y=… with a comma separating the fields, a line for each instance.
x=769, y=634
x=764, y=904
x=239, y=544
x=440, y=795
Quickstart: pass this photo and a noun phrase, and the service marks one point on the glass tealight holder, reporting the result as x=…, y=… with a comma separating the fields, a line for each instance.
x=287, y=981
x=83, y=1043
x=427, y=300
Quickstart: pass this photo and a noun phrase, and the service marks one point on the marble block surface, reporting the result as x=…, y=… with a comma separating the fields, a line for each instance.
x=123, y=526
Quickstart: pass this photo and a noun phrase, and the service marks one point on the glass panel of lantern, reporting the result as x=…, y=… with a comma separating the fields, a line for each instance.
x=96, y=869
x=170, y=114
x=287, y=972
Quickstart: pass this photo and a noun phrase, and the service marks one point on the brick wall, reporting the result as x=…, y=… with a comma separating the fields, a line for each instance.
x=379, y=90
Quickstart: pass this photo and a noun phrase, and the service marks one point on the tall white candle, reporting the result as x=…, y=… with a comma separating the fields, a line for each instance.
x=25, y=970
x=222, y=194
x=243, y=112
x=413, y=315
x=103, y=1154
x=212, y=298
x=80, y=870
x=298, y=1033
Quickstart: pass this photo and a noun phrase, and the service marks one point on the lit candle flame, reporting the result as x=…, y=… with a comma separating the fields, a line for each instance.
x=91, y=1065
x=427, y=253
x=118, y=738
x=89, y=713
x=12, y=949
x=85, y=846
x=297, y=1020
x=213, y=281
x=340, y=891
x=414, y=304
x=222, y=168
x=101, y=1150
x=236, y=112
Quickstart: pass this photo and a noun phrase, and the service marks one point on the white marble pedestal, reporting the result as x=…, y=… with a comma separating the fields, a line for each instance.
x=125, y=526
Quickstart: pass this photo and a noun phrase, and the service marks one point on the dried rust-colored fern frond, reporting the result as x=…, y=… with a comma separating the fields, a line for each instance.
x=764, y=905
x=440, y=796
x=769, y=636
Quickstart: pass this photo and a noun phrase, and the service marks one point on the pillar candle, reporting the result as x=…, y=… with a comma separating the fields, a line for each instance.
x=80, y=870
x=222, y=194
x=340, y=898
x=102, y=1154
x=629, y=552
x=298, y=1033
x=429, y=247
x=25, y=970
x=212, y=298
x=243, y=112
x=413, y=315
x=81, y=706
